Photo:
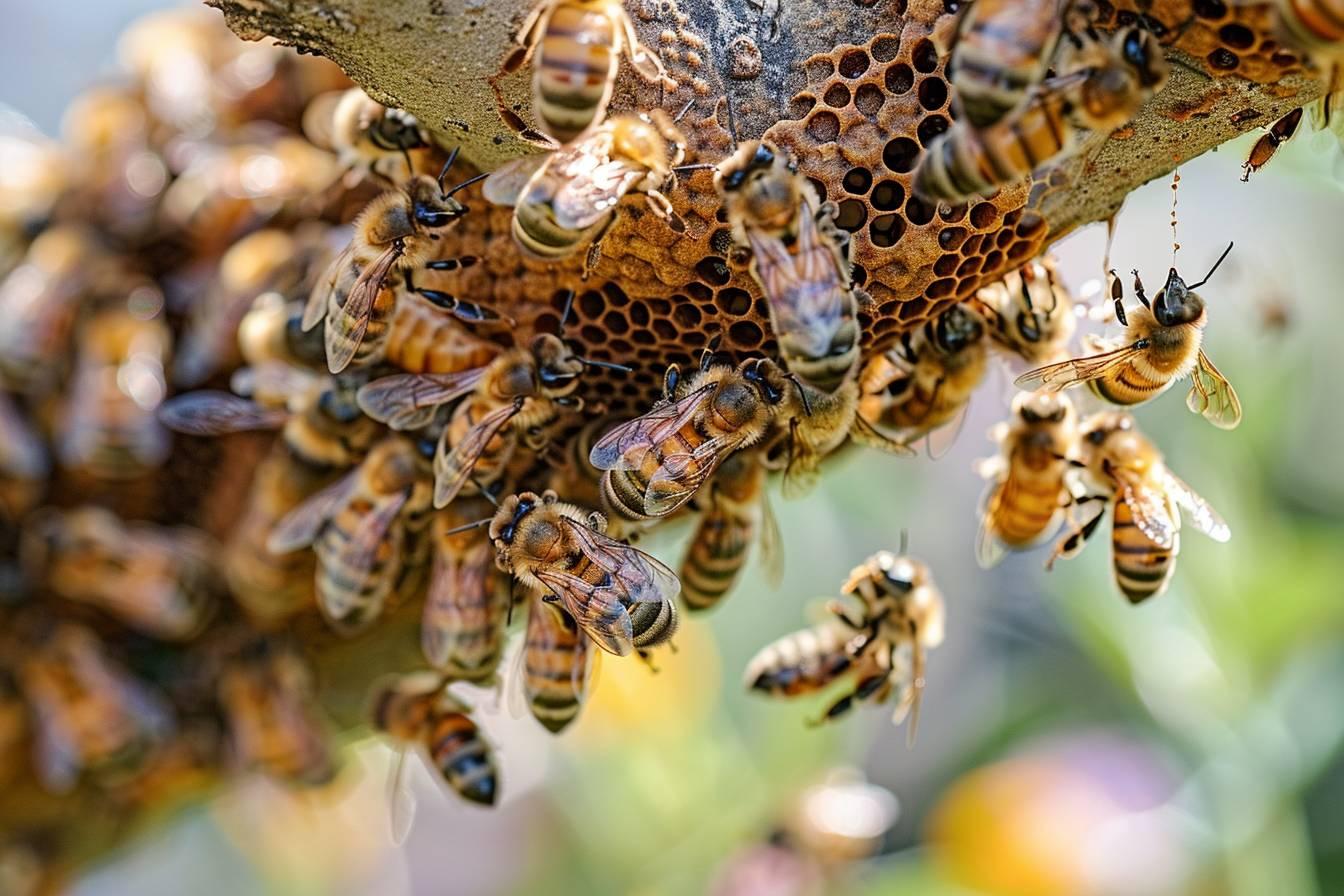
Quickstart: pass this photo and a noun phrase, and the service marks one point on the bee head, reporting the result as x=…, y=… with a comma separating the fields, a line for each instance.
x=1142, y=52
x=768, y=379
x=511, y=512
x=957, y=329
x=1042, y=407
x=1175, y=303
x=433, y=209
x=744, y=165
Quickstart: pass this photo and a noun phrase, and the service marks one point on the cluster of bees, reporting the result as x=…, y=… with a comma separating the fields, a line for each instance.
x=426, y=456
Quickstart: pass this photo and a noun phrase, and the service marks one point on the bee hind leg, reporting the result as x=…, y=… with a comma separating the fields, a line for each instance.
x=1074, y=542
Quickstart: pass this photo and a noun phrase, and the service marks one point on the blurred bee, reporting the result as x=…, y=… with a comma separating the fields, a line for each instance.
x=1280, y=133
x=894, y=613
x=365, y=134
x=736, y=513
x=24, y=465
x=418, y=711
x=1162, y=344
x=1028, y=491
x=362, y=529
x=656, y=462
x=1100, y=87
x=462, y=629
x=1002, y=52
x=1124, y=470
x=266, y=692
x=157, y=580
x=1030, y=312
x=1313, y=26
x=619, y=596
x=577, y=46
x=89, y=715
x=555, y=665
x=395, y=232
x=567, y=199
x=926, y=384
x=34, y=174
x=108, y=426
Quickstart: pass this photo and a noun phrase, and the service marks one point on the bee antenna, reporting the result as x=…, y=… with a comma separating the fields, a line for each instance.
x=905, y=541
x=1212, y=269
x=684, y=109
x=447, y=166
x=485, y=491
x=564, y=315
x=699, y=166
x=732, y=121
x=476, y=525
x=466, y=183
x=802, y=393
x=608, y=365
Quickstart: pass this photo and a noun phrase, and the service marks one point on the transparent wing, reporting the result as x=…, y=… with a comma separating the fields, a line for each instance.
x=681, y=474
x=1213, y=396
x=805, y=290
x=298, y=528
x=772, y=543
x=640, y=577
x=597, y=610
x=585, y=200
x=1054, y=377
x=940, y=440
x=401, y=803
x=1202, y=516
x=988, y=549
x=209, y=412
x=1151, y=509
x=407, y=401
x=870, y=436
x=623, y=447
x=316, y=307
x=505, y=184
x=452, y=469
x=347, y=324
x=359, y=553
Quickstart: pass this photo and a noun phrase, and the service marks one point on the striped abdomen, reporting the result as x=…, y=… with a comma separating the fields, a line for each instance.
x=374, y=341
x=802, y=662
x=574, y=69
x=537, y=232
x=462, y=629
x=718, y=549
x=623, y=491
x=423, y=339
x=556, y=656
x=271, y=587
x=463, y=757
x=1169, y=357
x=1316, y=25
x=1001, y=53
x=1142, y=569
x=1027, y=507
x=352, y=596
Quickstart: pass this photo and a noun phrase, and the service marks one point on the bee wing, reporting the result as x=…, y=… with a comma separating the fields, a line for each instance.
x=300, y=526
x=208, y=412
x=640, y=577
x=453, y=468
x=1054, y=377
x=346, y=330
x=1213, y=396
x=452, y=578
x=316, y=307
x=401, y=804
x=772, y=543
x=506, y=183
x=988, y=549
x=359, y=553
x=642, y=433
x=597, y=610
x=585, y=200
x=805, y=289
x=513, y=681
x=680, y=475
x=940, y=441
x=274, y=379
x=409, y=400
x=868, y=435
x=1202, y=516
x=1152, y=511
x=22, y=452
x=57, y=754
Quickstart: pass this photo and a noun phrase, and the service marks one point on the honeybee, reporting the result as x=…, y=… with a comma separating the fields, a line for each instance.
x=274, y=727
x=619, y=596
x=567, y=199
x=1162, y=344
x=24, y=464
x=1030, y=312
x=556, y=663
x=926, y=384
x=462, y=629
x=1003, y=49
x=1125, y=470
x=1280, y=133
x=365, y=134
x=89, y=715
x=395, y=232
x=1028, y=491
x=418, y=712
x=1314, y=26
x=34, y=174
x=737, y=512
x=577, y=45
x=160, y=581
x=655, y=463
x=878, y=639
x=1100, y=87
x=362, y=529
x=108, y=425
x=423, y=339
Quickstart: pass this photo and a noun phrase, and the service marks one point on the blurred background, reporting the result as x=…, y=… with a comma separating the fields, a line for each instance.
x=1069, y=743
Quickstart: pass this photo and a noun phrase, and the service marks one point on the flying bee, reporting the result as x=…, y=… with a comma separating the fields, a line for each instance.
x=1313, y=26
x=619, y=596
x=365, y=134
x=158, y=580
x=90, y=716
x=1003, y=50
x=1028, y=490
x=1124, y=470
x=1280, y=133
x=892, y=613
x=555, y=665
x=1100, y=87
x=577, y=47
x=737, y=512
x=361, y=529
x=468, y=601
x=266, y=692
x=565, y=200
x=108, y=425
x=1162, y=343
x=395, y=232
x=1030, y=312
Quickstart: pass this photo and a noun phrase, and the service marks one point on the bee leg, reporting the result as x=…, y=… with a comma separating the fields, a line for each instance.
x=1138, y=291
x=662, y=207
x=1118, y=297
x=646, y=657
x=842, y=613
x=1077, y=538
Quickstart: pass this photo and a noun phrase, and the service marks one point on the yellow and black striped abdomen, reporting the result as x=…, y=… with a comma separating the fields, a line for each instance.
x=463, y=757
x=717, y=554
x=536, y=231
x=1129, y=386
x=1142, y=569
x=802, y=662
x=462, y=629
x=624, y=490
x=352, y=596
x=574, y=70
x=1027, y=509
x=423, y=339
x=555, y=664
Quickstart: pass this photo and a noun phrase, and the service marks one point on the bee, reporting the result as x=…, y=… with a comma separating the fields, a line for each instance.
x=1003, y=50
x=423, y=339
x=158, y=580
x=1124, y=470
x=655, y=463
x=1028, y=490
x=34, y=175
x=737, y=512
x=462, y=629
x=395, y=232
x=90, y=716
x=926, y=384
x=366, y=134
x=619, y=596
x=1030, y=312
x=1280, y=133
x=565, y=200
x=24, y=464
x=1315, y=26
x=515, y=400
x=556, y=663
x=877, y=640
x=108, y=425
x=266, y=692
x=577, y=45
x=1162, y=344
x=1100, y=87
x=362, y=529
x=418, y=712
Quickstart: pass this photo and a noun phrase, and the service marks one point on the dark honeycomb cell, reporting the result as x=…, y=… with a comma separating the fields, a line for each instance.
x=946, y=264
x=820, y=187
x=1210, y=9
x=851, y=215
x=734, y=301
x=615, y=322
x=837, y=96
x=888, y=196
x=899, y=79
x=800, y=105
x=951, y=238
x=983, y=215
x=590, y=303
x=713, y=270
x=952, y=213
x=941, y=289
x=925, y=56
x=700, y=292
x=593, y=335
x=900, y=154
x=823, y=127
x=1239, y=37
x=931, y=128
x=686, y=314
x=721, y=241
x=886, y=230
x=854, y=63
x=868, y=99
x=858, y=180
x=917, y=211
x=885, y=47
x=1224, y=59
x=745, y=334
x=643, y=338
x=932, y=93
